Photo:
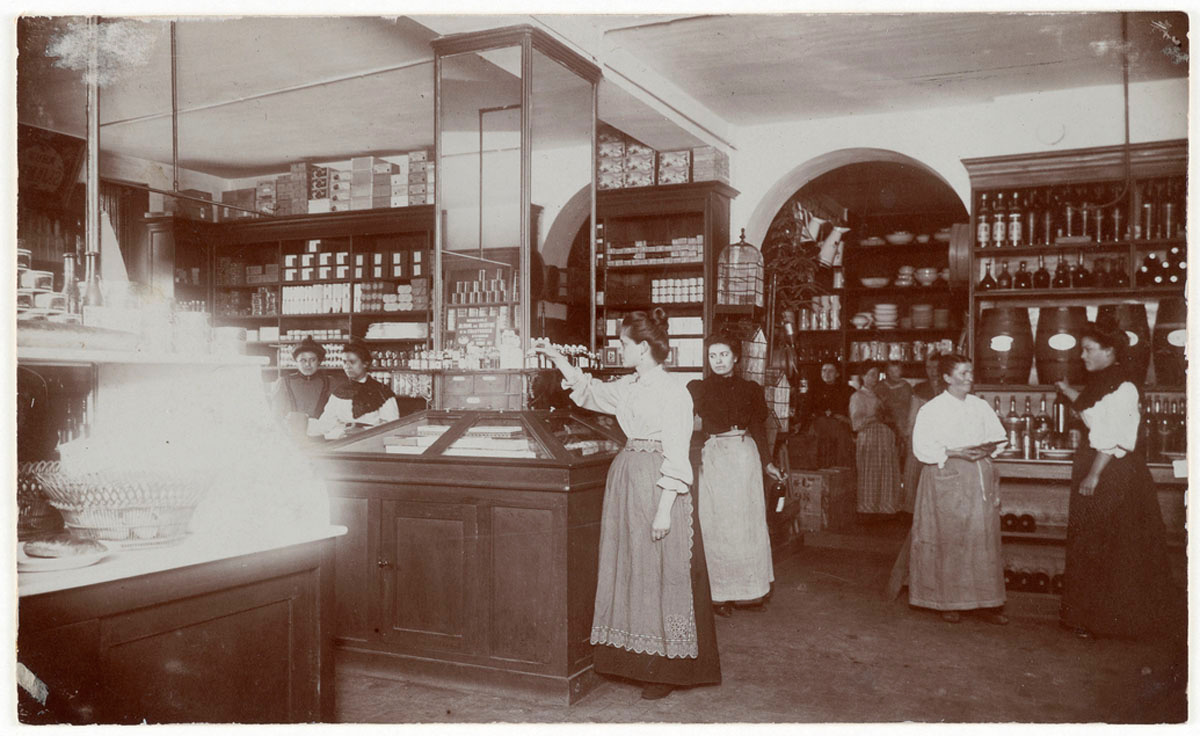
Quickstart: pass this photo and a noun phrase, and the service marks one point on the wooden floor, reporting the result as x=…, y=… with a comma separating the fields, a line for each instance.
x=829, y=648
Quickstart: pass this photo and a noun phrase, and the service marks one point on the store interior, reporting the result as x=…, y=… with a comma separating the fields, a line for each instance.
x=196, y=196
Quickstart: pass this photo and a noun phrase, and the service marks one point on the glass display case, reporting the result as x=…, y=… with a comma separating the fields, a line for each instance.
x=514, y=142
x=555, y=437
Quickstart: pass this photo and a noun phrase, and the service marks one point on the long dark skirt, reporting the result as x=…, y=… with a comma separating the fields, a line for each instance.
x=1117, y=579
x=620, y=504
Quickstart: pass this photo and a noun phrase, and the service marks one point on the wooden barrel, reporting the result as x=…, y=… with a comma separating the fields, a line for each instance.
x=1170, y=338
x=1131, y=319
x=1058, y=353
x=1003, y=346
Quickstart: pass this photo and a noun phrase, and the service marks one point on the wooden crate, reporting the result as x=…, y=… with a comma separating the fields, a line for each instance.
x=826, y=498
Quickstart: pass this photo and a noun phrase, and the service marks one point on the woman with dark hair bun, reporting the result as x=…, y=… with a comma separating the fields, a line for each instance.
x=1117, y=575
x=653, y=619
x=361, y=400
x=733, y=415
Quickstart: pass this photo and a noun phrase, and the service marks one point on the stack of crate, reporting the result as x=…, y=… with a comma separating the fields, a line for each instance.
x=610, y=159
x=340, y=184
x=710, y=164
x=264, y=196
x=422, y=179
x=674, y=167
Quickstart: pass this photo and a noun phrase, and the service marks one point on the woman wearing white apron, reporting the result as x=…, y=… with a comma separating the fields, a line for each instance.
x=733, y=513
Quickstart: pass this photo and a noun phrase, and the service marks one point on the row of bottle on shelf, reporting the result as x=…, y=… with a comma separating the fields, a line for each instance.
x=1169, y=269
x=1162, y=431
x=1096, y=212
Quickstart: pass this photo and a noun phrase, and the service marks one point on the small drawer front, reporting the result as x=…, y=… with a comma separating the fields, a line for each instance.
x=458, y=385
x=491, y=383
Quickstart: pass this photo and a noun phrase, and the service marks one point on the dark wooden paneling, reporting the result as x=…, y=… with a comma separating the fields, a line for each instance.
x=430, y=554
x=354, y=567
x=526, y=604
x=237, y=640
x=583, y=545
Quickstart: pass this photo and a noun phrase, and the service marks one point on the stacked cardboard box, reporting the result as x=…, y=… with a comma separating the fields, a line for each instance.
x=710, y=164
x=264, y=196
x=610, y=159
x=674, y=167
x=244, y=198
x=422, y=179
x=189, y=208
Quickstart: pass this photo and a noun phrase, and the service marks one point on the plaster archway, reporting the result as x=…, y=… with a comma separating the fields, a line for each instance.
x=561, y=234
x=779, y=193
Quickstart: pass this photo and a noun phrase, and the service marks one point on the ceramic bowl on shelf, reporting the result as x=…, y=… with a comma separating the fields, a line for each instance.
x=906, y=270
x=862, y=320
x=942, y=237
x=871, y=241
x=901, y=237
x=923, y=238
x=875, y=282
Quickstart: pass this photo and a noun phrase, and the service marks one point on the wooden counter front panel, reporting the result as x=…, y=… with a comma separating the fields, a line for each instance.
x=430, y=561
x=236, y=640
x=354, y=567
x=526, y=603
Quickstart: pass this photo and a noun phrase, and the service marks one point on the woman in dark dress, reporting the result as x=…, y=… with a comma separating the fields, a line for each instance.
x=1117, y=578
x=361, y=400
x=653, y=619
x=733, y=513
x=307, y=390
x=829, y=424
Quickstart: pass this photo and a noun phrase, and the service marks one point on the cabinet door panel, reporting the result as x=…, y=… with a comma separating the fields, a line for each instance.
x=355, y=571
x=430, y=553
x=526, y=605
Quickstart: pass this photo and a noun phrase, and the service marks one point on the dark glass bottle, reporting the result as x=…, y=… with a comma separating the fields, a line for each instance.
x=987, y=283
x=1042, y=425
x=1022, y=280
x=1166, y=429
x=983, y=218
x=1004, y=280
x=1081, y=278
x=1120, y=274
x=1041, y=277
x=1062, y=410
x=999, y=214
x=1062, y=276
x=1015, y=236
x=1148, y=431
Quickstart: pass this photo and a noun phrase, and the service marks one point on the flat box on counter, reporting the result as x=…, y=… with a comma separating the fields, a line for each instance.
x=827, y=498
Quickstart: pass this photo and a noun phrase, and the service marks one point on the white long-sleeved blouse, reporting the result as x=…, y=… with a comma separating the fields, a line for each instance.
x=1112, y=421
x=653, y=406
x=946, y=422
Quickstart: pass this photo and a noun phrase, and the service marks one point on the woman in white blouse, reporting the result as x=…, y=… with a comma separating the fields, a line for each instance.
x=954, y=548
x=1116, y=577
x=653, y=620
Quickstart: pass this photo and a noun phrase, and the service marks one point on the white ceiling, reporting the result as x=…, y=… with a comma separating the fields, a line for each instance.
x=258, y=93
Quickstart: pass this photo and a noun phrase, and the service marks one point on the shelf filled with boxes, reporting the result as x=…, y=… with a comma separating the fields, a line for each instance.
x=331, y=277
x=623, y=162
x=657, y=247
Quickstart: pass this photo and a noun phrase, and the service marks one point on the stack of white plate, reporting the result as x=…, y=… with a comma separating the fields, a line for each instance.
x=941, y=319
x=886, y=316
x=922, y=316
x=904, y=276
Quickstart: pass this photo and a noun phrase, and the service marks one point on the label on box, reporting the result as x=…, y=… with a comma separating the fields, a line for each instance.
x=377, y=271
x=306, y=274
x=398, y=200
x=289, y=274
x=324, y=271
x=324, y=259
x=342, y=271
x=289, y=260
x=307, y=259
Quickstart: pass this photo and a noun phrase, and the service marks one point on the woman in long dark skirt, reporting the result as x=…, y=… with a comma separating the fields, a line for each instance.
x=1117, y=577
x=653, y=620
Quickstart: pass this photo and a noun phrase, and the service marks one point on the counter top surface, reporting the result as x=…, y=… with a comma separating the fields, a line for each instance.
x=195, y=550
x=1061, y=470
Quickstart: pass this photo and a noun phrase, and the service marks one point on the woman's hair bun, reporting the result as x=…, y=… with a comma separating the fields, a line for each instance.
x=659, y=317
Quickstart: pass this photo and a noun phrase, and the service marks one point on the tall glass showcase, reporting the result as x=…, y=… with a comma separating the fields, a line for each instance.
x=514, y=143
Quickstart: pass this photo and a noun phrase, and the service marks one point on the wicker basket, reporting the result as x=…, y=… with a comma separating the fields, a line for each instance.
x=123, y=505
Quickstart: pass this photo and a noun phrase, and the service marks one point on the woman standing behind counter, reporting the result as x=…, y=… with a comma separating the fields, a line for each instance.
x=362, y=400
x=1116, y=575
x=653, y=619
x=733, y=514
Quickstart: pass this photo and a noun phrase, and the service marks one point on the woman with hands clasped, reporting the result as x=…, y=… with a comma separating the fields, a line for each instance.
x=954, y=554
x=653, y=619
x=1116, y=576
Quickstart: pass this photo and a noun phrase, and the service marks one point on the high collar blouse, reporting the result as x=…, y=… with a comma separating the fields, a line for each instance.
x=947, y=423
x=724, y=402
x=653, y=405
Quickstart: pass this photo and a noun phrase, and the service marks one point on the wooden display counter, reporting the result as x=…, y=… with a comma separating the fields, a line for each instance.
x=199, y=632
x=470, y=570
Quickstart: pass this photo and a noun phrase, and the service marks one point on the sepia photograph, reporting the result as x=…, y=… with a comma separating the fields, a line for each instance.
x=680, y=364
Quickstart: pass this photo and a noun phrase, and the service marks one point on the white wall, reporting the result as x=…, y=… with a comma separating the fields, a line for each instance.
x=158, y=175
x=941, y=138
